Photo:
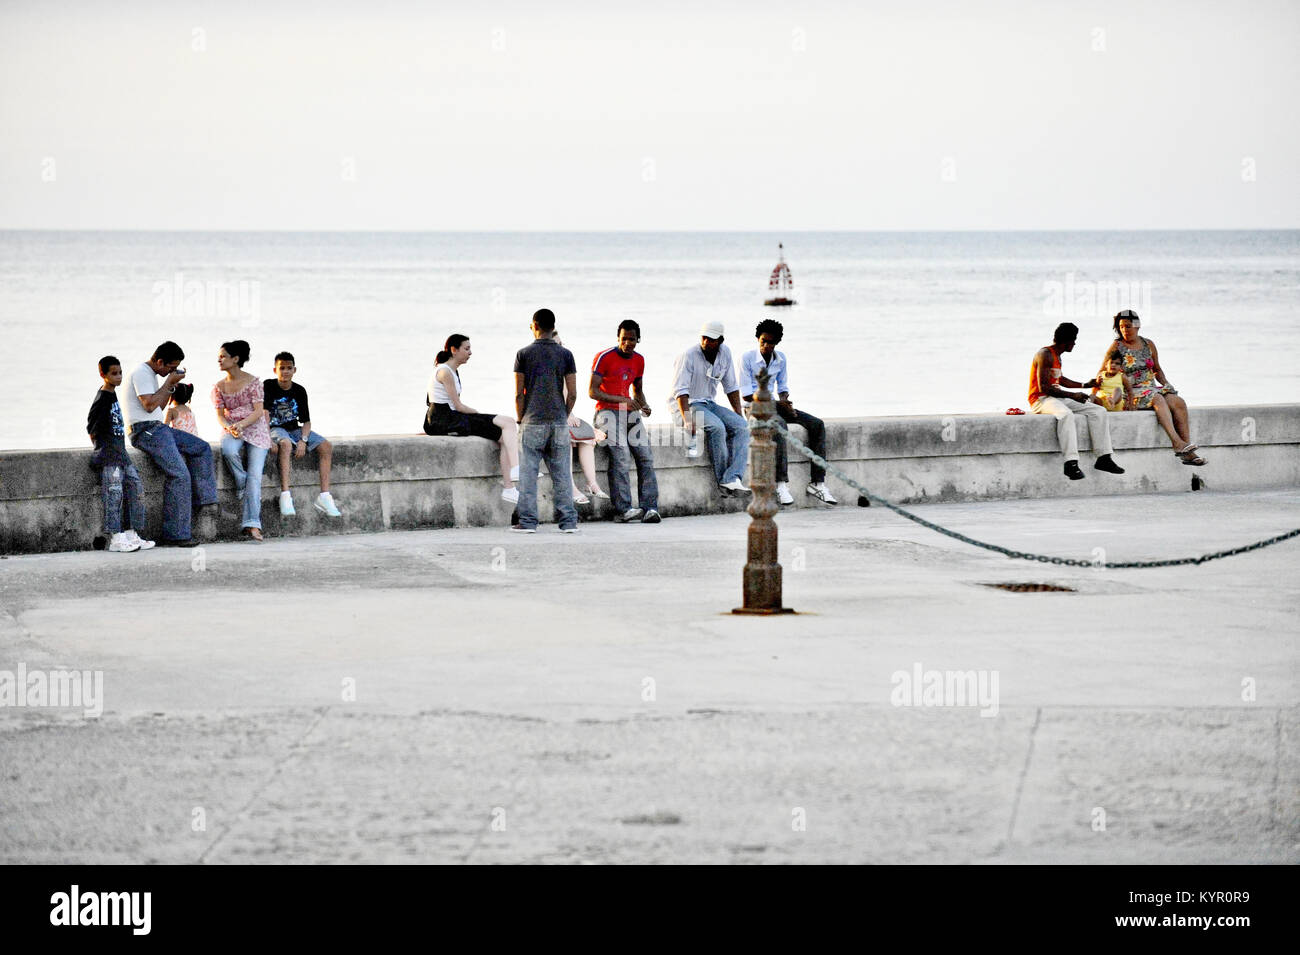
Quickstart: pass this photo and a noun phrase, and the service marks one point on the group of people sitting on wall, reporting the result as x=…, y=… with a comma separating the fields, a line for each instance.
x=544, y=427
x=255, y=416
x=1130, y=379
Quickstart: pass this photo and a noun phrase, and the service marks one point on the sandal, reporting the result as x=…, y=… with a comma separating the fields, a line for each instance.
x=595, y=491
x=1181, y=451
x=254, y=534
x=1191, y=457
x=580, y=498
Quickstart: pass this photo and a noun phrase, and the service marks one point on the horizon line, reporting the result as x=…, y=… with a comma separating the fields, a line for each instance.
x=349, y=231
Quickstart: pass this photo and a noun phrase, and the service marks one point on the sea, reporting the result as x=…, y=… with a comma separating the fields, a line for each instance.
x=884, y=323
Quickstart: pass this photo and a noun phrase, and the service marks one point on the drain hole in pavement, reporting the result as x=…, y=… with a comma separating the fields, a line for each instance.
x=1032, y=588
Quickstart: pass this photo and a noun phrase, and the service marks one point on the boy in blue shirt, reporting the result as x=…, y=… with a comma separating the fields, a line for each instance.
x=117, y=475
x=291, y=433
x=769, y=334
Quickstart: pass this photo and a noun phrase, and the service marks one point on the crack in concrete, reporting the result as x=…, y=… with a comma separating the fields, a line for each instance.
x=1024, y=772
x=275, y=773
x=1277, y=769
x=483, y=831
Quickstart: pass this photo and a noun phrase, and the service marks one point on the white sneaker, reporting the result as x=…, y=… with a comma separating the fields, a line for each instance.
x=783, y=494
x=628, y=516
x=135, y=538
x=325, y=504
x=286, y=504
x=735, y=487
x=510, y=494
x=121, y=544
x=822, y=493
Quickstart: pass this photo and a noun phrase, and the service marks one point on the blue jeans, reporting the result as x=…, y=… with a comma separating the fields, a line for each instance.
x=248, y=483
x=549, y=442
x=628, y=440
x=114, y=479
x=186, y=464
x=727, y=436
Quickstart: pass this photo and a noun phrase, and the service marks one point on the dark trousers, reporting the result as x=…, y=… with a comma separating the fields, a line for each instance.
x=816, y=429
x=627, y=440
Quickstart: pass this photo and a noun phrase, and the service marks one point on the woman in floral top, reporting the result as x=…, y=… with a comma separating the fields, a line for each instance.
x=238, y=400
x=1151, y=389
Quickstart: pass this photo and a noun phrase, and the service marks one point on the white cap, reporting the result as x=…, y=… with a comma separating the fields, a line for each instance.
x=711, y=330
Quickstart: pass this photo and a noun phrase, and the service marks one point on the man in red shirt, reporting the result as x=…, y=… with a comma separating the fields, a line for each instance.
x=1046, y=396
x=620, y=405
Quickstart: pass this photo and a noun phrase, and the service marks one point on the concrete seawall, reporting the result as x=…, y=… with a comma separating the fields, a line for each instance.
x=50, y=501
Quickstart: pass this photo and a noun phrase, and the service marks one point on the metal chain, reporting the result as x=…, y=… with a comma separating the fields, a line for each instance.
x=776, y=424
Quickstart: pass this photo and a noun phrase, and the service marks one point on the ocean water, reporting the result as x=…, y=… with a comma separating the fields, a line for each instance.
x=885, y=323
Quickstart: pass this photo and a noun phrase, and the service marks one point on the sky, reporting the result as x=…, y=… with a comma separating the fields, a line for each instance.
x=664, y=116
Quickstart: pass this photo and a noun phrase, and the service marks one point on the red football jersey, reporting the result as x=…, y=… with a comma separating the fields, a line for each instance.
x=616, y=375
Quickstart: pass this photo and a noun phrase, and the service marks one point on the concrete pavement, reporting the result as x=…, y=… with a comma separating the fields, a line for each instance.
x=472, y=695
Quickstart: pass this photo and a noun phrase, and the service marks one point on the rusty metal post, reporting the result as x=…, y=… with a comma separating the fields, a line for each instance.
x=762, y=584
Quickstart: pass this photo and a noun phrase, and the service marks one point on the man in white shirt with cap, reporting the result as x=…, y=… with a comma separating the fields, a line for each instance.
x=696, y=376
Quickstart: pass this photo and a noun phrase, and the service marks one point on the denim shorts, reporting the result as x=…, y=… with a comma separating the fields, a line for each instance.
x=313, y=439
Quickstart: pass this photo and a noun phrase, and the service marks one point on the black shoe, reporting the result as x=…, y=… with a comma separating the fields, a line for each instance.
x=188, y=542
x=1104, y=463
x=1072, y=471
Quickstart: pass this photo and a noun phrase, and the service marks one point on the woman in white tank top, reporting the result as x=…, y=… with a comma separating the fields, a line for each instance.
x=448, y=415
x=438, y=394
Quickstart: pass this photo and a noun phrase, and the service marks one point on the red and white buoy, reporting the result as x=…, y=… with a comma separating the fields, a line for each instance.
x=781, y=283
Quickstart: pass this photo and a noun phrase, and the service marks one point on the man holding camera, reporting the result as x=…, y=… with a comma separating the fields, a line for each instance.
x=189, y=478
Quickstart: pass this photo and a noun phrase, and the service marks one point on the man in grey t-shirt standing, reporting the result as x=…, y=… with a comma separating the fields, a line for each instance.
x=546, y=378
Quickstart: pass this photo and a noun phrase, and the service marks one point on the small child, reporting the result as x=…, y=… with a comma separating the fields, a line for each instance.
x=117, y=475
x=291, y=432
x=179, y=415
x=1114, y=389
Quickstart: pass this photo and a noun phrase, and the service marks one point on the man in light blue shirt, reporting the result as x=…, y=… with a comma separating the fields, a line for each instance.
x=769, y=334
x=696, y=376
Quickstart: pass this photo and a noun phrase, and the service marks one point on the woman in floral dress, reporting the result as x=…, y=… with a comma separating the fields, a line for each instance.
x=1152, y=390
